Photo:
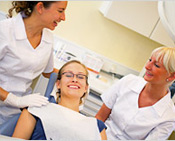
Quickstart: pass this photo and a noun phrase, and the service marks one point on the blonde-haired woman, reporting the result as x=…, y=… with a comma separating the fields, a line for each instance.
x=63, y=121
x=141, y=108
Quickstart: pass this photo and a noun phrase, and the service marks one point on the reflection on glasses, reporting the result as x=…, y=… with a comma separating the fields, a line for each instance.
x=71, y=75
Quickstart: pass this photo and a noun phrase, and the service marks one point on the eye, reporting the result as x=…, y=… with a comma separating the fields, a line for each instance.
x=60, y=11
x=157, y=65
x=80, y=76
x=68, y=75
x=150, y=59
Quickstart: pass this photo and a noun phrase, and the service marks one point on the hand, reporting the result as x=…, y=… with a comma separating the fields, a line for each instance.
x=30, y=100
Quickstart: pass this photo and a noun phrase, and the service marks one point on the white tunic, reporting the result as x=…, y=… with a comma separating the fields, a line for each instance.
x=20, y=63
x=128, y=121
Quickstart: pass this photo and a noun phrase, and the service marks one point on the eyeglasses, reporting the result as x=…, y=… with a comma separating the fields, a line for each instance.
x=78, y=76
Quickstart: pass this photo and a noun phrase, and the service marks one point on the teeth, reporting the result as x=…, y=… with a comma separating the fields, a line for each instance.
x=74, y=87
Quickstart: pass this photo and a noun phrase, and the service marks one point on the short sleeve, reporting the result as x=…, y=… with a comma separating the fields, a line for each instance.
x=101, y=125
x=109, y=96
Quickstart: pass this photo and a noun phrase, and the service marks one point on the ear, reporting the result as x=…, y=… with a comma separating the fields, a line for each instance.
x=58, y=84
x=39, y=7
x=86, y=88
x=171, y=77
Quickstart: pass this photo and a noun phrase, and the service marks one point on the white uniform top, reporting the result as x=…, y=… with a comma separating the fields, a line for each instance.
x=128, y=121
x=20, y=63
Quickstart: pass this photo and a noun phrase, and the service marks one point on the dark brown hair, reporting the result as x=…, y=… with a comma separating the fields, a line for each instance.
x=26, y=6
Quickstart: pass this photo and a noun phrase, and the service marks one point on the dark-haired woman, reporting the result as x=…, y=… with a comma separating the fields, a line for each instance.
x=26, y=51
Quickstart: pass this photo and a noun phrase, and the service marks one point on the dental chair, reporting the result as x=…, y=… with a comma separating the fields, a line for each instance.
x=7, y=128
x=172, y=89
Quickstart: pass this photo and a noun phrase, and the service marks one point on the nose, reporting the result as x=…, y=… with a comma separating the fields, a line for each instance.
x=74, y=79
x=148, y=65
x=63, y=16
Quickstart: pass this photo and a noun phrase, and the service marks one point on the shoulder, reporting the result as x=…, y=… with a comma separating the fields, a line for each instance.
x=129, y=79
x=6, y=27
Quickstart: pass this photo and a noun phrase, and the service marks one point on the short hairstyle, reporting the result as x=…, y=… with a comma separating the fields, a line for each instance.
x=60, y=76
x=167, y=55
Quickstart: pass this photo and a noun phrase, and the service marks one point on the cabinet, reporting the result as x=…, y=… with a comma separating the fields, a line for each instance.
x=139, y=16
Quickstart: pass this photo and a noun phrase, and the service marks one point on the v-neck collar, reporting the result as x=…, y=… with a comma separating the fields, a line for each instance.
x=20, y=32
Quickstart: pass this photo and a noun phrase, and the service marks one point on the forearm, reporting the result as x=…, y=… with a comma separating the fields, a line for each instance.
x=47, y=75
x=103, y=135
x=103, y=113
x=3, y=94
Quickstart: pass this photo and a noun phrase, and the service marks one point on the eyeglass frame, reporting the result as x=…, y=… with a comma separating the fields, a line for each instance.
x=86, y=77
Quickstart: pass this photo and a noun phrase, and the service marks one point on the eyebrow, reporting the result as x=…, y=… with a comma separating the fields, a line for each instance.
x=72, y=72
x=61, y=8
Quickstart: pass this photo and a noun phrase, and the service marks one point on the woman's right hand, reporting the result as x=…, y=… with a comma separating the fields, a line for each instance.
x=31, y=100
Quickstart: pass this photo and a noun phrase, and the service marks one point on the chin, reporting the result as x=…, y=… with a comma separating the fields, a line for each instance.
x=146, y=78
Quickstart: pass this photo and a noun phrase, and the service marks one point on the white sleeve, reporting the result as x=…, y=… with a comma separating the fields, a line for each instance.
x=109, y=97
x=50, y=65
x=162, y=131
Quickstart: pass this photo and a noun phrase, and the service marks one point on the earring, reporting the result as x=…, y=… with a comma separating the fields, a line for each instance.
x=167, y=80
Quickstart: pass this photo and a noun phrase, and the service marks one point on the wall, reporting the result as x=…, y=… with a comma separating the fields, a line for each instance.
x=87, y=27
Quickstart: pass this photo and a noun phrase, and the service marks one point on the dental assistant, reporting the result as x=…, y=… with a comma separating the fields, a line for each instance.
x=26, y=51
x=137, y=108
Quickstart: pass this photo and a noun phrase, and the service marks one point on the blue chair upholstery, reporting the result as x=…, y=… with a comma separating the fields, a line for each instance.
x=7, y=128
x=172, y=89
x=50, y=86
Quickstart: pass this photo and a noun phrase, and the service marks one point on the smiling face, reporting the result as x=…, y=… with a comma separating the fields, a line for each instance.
x=73, y=86
x=156, y=72
x=52, y=15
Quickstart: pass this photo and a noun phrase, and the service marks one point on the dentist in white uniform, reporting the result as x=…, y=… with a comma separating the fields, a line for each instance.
x=137, y=108
x=26, y=51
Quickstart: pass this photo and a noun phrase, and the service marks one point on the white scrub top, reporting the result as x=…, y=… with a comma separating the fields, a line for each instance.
x=128, y=121
x=20, y=63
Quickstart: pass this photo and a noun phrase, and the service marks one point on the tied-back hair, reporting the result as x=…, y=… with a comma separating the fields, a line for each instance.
x=26, y=7
x=167, y=55
x=60, y=76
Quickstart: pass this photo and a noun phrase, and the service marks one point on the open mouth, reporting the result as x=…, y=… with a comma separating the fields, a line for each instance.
x=55, y=23
x=148, y=74
x=73, y=86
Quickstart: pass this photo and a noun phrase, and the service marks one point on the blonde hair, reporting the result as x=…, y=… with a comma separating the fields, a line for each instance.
x=82, y=99
x=167, y=55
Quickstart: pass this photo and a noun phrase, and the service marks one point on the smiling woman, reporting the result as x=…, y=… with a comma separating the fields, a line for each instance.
x=150, y=111
x=26, y=51
x=64, y=120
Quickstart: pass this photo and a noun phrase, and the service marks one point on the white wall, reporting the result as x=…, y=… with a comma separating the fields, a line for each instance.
x=86, y=27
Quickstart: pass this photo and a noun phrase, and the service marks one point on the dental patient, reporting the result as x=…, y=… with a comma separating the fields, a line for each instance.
x=62, y=120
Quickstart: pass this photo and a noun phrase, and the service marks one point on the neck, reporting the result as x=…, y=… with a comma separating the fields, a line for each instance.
x=156, y=91
x=69, y=103
x=32, y=27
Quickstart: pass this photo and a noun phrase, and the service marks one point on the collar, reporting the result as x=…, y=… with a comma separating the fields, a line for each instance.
x=19, y=28
x=159, y=106
x=137, y=85
x=20, y=32
x=162, y=105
